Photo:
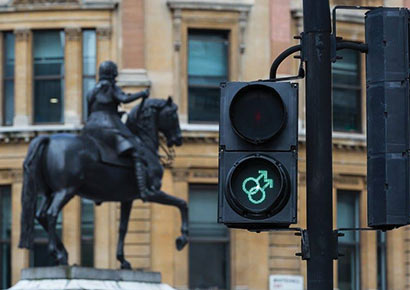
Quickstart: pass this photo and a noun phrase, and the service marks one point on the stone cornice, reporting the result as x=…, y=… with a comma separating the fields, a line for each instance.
x=22, y=5
x=210, y=5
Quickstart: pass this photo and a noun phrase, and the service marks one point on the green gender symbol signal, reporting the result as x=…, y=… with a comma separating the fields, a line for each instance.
x=257, y=186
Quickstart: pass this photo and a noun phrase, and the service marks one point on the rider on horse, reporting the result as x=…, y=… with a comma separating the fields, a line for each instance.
x=104, y=121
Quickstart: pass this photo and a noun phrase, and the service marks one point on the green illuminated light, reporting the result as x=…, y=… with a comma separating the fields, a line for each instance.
x=257, y=186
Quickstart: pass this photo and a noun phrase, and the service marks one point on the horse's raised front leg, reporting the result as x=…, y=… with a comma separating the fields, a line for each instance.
x=59, y=201
x=41, y=216
x=163, y=198
x=125, y=216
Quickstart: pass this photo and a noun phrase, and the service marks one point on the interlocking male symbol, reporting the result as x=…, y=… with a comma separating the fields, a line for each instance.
x=257, y=187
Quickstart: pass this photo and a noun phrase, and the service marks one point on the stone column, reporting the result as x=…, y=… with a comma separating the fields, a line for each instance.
x=19, y=257
x=73, y=76
x=103, y=44
x=181, y=265
x=396, y=266
x=163, y=236
x=72, y=230
x=103, y=241
x=23, y=82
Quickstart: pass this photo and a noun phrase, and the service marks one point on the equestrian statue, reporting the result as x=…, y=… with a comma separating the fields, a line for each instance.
x=108, y=161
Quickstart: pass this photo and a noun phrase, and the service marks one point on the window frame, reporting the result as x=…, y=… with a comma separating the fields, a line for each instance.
x=226, y=34
x=360, y=90
x=205, y=20
x=357, y=244
x=48, y=78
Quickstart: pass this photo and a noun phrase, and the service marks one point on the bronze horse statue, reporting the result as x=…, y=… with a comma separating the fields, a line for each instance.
x=63, y=165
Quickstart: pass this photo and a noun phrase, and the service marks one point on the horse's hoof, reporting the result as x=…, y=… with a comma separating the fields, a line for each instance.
x=181, y=242
x=126, y=265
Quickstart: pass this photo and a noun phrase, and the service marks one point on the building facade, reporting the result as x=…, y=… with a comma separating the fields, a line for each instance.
x=184, y=48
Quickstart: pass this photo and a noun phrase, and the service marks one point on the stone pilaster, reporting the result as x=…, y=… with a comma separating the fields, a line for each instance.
x=73, y=76
x=20, y=257
x=23, y=77
x=103, y=43
x=72, y=230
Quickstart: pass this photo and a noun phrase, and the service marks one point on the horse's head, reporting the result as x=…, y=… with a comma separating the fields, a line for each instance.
x=156, y=115
x=168, y=123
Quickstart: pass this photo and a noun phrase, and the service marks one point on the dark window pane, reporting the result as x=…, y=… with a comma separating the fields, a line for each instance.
x=348, y=217
x=347, y=92
x=381, y=261
x=48, y=76
x=347, y=268
x=5, y=236
x=207, y=265
x=89, y=65
x=48, y=102
x=207, y=68
x=8, y=82
x=9, y=54
x=203, y=104
x=8, y=109
x=209, y=246
x=87, y=233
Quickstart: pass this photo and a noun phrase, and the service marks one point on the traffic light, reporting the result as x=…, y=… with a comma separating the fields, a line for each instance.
x=387, y=76
x=258, y=133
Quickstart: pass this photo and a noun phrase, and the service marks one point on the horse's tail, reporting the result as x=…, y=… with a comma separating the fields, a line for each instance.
x=32, y=183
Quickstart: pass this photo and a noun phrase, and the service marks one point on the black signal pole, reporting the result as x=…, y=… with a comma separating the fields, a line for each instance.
x=316, y=22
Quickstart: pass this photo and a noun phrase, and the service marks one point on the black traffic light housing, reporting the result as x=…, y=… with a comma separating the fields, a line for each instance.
x=387, y=76
x=258, y=133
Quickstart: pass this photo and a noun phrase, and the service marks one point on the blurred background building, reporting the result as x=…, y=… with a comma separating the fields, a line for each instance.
x=50, y=50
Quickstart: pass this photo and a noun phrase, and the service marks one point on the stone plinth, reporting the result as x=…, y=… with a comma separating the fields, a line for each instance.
x=76, y=278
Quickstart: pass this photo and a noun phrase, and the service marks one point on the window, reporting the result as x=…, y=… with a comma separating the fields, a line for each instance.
x=381, y=261
x=48, y=76
x=209, y=241
x=348, y=217
x=5, y=236
x=347, y=92
x=40, y=256
x=89, y=65
x=87, y=233
x=207, y=68
x=8, y=80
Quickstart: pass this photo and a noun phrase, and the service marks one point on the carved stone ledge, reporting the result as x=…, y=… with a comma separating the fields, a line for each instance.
x=239, y=6
x=203, y=174
x=22, y=34
x=73, y=33
x=104, y=33
x=133, y=78
x=44, y=2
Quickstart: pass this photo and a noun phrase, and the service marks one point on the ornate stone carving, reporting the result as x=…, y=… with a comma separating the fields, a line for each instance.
x=177, y=29
x=22, y=34
x=73, y=33
x=104, y=32
x=180, y=174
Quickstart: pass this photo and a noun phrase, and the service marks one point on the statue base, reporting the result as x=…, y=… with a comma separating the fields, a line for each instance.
x=76, y=278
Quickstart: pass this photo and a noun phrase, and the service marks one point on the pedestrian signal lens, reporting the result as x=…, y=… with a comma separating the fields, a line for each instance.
x=258, y=186
x=257, y=113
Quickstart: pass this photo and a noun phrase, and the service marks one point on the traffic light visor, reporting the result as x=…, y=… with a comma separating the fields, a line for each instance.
x=257, y=113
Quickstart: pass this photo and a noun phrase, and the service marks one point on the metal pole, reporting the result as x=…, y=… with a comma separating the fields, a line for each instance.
x=316, y=18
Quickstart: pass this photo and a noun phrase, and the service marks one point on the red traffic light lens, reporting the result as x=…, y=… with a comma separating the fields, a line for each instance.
x=257, y=113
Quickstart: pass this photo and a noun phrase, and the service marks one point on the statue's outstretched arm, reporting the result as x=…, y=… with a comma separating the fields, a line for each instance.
x=122, y=97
